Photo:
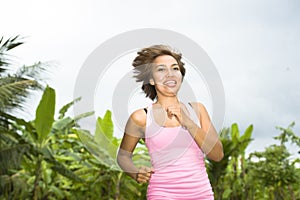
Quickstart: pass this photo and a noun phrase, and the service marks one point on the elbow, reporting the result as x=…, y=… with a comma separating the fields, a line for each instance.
x=216, y=157
x=220, y=154
x=219, y=157
x=120, y=158
x=123, y=158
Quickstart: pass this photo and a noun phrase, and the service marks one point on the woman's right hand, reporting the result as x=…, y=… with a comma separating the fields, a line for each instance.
x=144, y=174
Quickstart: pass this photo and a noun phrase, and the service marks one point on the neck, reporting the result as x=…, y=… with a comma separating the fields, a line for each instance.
x=167, y=101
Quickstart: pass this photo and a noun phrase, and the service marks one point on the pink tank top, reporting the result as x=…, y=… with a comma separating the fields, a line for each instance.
x=180, y=172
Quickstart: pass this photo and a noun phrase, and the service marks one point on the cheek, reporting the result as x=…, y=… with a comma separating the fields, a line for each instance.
x=179, y=75
x=158, y=77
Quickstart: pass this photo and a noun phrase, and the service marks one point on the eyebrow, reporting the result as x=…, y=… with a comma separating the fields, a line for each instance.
x=163, y=65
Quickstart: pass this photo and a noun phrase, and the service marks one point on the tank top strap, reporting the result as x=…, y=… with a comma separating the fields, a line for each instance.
x=149, y=114
x=191, y=110
x=193, y=113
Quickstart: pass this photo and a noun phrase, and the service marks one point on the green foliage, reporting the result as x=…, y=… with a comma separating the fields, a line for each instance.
x=15, y=86
x=45, y=114
x=34, y=161
x=6, y=46
x=16, y=83
x=71, y=163
x=104, y=135
x=51, y=158
x=103, y=147
x=43, y=158
x=100, y=153
x=74, y=164
x=228, y=176
x=65, y=108
x=270, y=174
x=288, y=135
x=274, y=169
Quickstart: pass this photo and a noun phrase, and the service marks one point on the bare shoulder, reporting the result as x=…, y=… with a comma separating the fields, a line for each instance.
x=136, y=124
x=139, y=117
x=199, y=108
x=203, y=115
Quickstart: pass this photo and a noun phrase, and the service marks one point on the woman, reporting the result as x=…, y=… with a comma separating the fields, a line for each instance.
x=177, y=134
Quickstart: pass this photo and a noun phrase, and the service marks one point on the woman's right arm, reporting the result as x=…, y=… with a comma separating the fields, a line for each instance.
x=134, y=130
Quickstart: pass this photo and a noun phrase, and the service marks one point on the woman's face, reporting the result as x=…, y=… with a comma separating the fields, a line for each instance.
x=166, y=75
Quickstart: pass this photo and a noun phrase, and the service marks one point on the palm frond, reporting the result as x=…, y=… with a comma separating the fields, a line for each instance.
x=10, y=157
x=16, y=85
x=5, y=46
x=13, y=121
x=12, y=187
x=13, y=91
x=33, y=72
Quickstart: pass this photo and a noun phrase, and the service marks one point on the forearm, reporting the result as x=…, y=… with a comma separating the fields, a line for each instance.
x=208, y=141
x=124, y=160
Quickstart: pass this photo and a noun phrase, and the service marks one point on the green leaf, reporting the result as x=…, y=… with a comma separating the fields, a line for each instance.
x=248, y=133
x=104, y=135
x=106, y=124
x=65, y=108
x=45, y=114
x=61, y=124
x=83, y=115
x=227, y=193
x=100, y=153
x=246, y=138
x=59, y=167
x=28, y=126
x=57, y=191
x=11, y=157
x=235, y=133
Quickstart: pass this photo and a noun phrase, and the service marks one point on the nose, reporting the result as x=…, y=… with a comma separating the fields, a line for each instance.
x=170, y=73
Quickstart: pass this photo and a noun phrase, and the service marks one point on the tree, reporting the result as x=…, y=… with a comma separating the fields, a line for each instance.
x=275, y=174
x=228, y=176
x=15, y=86
x=36, y=158
x=103, y=145
x=16, y=83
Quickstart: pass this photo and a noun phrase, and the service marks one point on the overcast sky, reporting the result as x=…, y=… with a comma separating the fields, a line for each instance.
x=254, y=45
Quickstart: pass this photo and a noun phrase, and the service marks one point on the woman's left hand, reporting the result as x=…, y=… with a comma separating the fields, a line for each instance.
x=180, y=113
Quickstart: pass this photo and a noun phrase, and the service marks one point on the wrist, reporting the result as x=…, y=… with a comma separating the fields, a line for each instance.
x=191, y=126
x=136, y=176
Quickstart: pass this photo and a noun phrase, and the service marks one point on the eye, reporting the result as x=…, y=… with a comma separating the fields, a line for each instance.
x=176, y=68
x=160, y=69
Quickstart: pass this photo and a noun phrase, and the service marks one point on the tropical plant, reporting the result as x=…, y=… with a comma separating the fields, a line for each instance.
x=15, y=86
x=275, y=175
x=16, y=83
x=228, y=176
x=61, y=161
x=103, y=145
x=38, y=162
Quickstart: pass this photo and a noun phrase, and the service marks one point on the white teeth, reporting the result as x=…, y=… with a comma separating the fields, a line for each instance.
x=170, y=82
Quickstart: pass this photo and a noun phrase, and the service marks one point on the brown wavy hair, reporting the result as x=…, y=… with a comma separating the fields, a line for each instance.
x=143, y=64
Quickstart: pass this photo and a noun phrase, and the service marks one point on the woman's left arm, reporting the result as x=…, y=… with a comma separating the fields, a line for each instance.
x=206, y=137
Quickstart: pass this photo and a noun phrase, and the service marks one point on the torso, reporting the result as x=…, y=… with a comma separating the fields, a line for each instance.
x=178, y=161
x=160, y=116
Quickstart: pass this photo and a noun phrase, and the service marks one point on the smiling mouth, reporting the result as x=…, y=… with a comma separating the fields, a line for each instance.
x=170, y=83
